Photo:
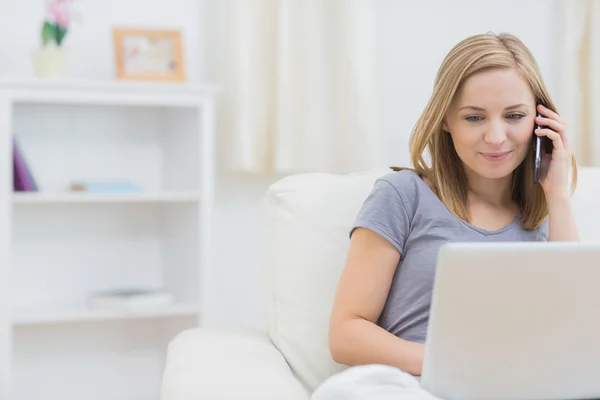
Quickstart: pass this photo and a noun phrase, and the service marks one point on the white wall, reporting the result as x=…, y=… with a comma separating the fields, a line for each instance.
x=90, y=41
x=414, y=37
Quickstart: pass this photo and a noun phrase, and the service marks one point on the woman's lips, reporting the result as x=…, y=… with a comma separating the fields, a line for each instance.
x=496, y=156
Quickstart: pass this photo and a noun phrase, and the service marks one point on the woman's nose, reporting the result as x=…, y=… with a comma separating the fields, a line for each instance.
x=495, y=134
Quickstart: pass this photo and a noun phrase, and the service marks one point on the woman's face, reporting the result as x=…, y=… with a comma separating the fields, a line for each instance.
x=491, y=122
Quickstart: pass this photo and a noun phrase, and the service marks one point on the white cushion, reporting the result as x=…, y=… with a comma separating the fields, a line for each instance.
x=207, y=364
x=309, y=217
x=586, y=203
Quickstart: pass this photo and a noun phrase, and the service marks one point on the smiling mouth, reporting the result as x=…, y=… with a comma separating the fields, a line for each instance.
x=495, y=157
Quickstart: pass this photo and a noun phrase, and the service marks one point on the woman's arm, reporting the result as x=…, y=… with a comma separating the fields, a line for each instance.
x=561, y=221
x=354, y=336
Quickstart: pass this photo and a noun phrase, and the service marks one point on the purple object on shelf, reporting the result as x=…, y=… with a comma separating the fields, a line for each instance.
x=22, y=180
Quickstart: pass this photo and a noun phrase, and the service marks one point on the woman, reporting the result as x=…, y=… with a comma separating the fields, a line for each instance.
x=478, y=128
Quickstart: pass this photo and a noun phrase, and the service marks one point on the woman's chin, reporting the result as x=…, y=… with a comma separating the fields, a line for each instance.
x=495, y=171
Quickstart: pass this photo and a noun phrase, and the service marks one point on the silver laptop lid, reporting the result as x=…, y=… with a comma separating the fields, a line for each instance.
x=515, y=321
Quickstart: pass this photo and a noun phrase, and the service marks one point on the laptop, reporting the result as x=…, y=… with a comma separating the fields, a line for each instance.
x=515, y=321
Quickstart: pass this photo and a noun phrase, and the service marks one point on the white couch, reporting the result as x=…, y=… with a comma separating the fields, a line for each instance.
x=308, y=218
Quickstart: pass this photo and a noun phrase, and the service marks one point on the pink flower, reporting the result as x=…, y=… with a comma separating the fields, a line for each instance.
x=58, y=11
x=62, y=19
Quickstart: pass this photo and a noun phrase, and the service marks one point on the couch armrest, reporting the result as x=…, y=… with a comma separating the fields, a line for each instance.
x=207, y=364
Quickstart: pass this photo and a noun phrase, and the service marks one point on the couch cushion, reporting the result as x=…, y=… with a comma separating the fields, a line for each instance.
x=212, y=364
x=309, y=218
x=585, y=203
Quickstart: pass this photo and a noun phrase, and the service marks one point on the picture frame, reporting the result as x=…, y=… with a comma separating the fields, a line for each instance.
x=148, y=55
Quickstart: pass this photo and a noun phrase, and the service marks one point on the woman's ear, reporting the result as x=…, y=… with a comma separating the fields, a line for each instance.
x=445, y=126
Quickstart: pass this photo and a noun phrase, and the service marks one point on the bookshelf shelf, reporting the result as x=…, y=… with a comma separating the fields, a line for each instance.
x=60, y=198
x=39, y=91
x=60, y=247
x=75, y=315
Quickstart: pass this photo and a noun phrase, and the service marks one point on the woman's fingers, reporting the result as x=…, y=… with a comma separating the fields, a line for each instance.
x=553, y=121
x=550, y=123
x=549, y=113
x=552, y=135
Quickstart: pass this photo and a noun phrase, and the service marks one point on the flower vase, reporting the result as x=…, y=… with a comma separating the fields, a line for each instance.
x=49, y=62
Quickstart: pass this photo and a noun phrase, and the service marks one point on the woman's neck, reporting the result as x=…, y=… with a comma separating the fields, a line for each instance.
x=495, y=192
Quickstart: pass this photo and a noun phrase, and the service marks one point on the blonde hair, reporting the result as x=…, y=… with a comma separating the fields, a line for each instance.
x=446, y=172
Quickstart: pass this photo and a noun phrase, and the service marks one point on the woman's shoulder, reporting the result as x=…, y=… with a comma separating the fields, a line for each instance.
x=406, y=182
x=390, y=207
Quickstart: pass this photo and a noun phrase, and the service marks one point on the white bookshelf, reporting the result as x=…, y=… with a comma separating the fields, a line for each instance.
x=57, y=247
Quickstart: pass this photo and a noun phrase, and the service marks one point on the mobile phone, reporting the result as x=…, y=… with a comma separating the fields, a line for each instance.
x=538, y=153
x=542, y=146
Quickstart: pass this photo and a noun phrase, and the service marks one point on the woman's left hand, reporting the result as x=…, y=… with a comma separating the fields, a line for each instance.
x=555, y=181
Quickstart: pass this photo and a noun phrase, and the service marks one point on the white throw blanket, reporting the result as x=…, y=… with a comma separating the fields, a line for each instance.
x=372, y=382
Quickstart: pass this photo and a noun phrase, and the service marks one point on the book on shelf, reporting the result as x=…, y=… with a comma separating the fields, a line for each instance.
x=129, y=299
x=23, y=180
x=104, y=187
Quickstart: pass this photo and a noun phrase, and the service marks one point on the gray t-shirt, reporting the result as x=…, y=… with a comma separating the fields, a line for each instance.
x=405, y=211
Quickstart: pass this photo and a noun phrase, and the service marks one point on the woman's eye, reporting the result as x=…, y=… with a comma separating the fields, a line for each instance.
x=473, y=118
x=515, y=116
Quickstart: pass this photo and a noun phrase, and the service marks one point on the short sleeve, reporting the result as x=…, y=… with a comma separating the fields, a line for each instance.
x=384, y=212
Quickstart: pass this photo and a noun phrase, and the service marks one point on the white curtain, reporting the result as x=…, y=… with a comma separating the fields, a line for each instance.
x=579, y=76
x=299, y=85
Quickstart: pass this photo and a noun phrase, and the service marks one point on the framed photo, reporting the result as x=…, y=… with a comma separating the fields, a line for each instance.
x=148, y=55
